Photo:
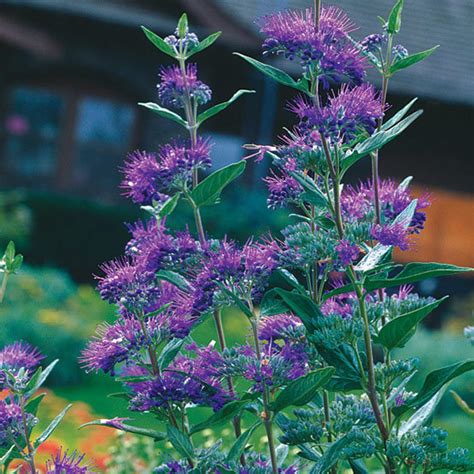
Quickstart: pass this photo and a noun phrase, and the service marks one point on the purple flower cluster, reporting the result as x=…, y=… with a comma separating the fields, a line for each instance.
x=148, y=176
x=391, y=234
x=175, y=87
x=12, y=423
x=65, y=463
x=280, y=326
x=282, y=190
x=16, y=356
x=193, y=378
x=347, y=252
x=351, y=112
x=327, y=49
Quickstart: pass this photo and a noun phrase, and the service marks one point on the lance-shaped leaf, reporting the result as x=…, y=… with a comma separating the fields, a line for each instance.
x=180, y=442
x=302, y=306
x=239, y=446
x=312, y=193
x=174, y=278
x=228, y=411
x=38, y=379
x=272, y=304
x=169, y=206
x=434, y=382
x=33, y=405
x=462, y=404
x=303, y=389
x=375, y=255
x=422, y=415
x=207, y=192
x=51, y=427
x=159, y=42
x=399, y=330
x=118, y=424
x=276, y=74
x=183, y=25
x=5, y=456
x=169, y=352
x=291, y=280
x=330, y=456
x=413, y=272
x=412, y=59
x=377, y=141
x=163, y=112
x=203, y=116
x=395, y=18
x=399, y=115
x=205, y=43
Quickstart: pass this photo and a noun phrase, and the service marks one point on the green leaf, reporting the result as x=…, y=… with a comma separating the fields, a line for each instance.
x=174, y=278
x=276, y=74
x=156, y=435
x=51, y=427
x=344, y=360
x=203, y=116
x=38, y=379
x=312, y=193
x=331, y=456
x=33, y=405
x=377, y=141
x=168, y=114
x=207, y=192
x=302, y=306
x=398, y=331
x=239, y=446
x=413, y=272
x=303, y=389
x=412, y=59
x=399, y=115
x=358, y=466
x=169, y=206
x=291, y=280
x=434, y=381
x=271, y=304
x=169, y=352
x=180, y=442
x=160, y=43
x=422, y=415
x=228, y=411
x=133, y=378
x=240, y=304
x=395, y=18
x=462, y=404
x=205, y=43
x=183, y=25
x=376, y=254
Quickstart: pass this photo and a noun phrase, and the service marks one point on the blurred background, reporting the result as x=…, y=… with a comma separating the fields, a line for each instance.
x=72, y=74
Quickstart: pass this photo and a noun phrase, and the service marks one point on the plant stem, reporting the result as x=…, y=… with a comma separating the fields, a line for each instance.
x=191, y=114
x=3, y=288
x=267, y=417
x=30, y=459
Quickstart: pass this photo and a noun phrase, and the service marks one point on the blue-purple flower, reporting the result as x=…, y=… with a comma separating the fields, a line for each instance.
x=65, y=463
x=391, y=234
x=327, y=49
x=12, y=423
x=347, y=252
x=193, y=378
x=19, y=355
x=282, y=190
x=177, y=86
x=348, y=113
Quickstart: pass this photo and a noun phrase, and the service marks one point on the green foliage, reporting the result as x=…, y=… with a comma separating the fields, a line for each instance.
x=208, y=191
x=207, y=114
x=411, y=60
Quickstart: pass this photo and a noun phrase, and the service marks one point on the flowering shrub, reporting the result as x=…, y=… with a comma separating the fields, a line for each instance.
x=308, y=377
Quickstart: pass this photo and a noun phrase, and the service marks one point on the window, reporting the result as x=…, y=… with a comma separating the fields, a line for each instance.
x=32, y=129
x=66, y=139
